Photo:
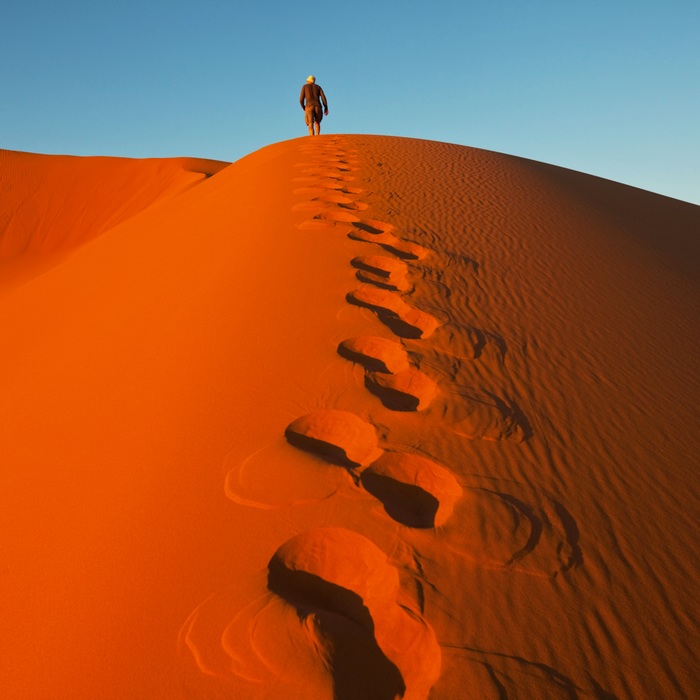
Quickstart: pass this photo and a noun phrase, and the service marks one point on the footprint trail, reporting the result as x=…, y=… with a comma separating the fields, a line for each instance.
x=330, y=590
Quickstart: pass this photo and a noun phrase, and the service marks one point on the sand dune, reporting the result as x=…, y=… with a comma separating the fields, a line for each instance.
x=53, y=204
x=356, y=417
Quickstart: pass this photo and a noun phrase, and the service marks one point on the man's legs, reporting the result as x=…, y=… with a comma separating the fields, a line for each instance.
x=309, y=119
x=314, y=121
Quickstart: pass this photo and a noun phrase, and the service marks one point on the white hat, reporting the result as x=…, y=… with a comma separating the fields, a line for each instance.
x=311, y=79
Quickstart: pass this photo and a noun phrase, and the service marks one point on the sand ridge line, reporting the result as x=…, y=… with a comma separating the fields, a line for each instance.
x=415, y=492
x=328, y=201
x=347, y=596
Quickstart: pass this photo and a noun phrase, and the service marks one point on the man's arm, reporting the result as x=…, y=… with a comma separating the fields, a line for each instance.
x=301, y=97
x=323, y=99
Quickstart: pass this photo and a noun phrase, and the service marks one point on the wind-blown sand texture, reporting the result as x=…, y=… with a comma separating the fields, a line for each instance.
x=356, y=417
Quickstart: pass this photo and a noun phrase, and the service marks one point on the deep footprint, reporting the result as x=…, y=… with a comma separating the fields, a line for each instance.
x=390, y=242
x=404, y=320
x=381, y=265
x=415, y=491
x=410, y=390
x=382, y=271
x=320, y=205
x=339, y=436
x=327, y=218
x=319, y=190
x=375, y=354
x=327, y=572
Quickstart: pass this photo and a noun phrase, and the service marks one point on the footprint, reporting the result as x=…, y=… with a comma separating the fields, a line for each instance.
x=381, y=265
x=339, y=436
x=330, y=196
x=375, y=354
x=327, y=181
x=343, y=584
x=328, y=218
x=414, y=491
x=409, y=390
x=330, y=173
x=401, y=285
x=328, y=191
x=325, y=204
x=382, y=271
x=388, y=241
x=326, y=184
x=404, y=320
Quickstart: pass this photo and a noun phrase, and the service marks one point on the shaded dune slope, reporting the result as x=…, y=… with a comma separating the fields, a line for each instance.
x=360, y=416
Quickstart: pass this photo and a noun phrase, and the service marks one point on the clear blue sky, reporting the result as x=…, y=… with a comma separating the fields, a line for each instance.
x=608, y=87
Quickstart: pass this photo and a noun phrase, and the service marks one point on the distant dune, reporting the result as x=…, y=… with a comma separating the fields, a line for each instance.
x=353, y=417
x=53, y=204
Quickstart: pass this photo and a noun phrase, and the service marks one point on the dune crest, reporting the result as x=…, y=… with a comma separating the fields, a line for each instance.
x=359, y=417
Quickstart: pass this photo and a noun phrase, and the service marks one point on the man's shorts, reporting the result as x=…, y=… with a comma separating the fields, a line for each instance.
x=313, y=113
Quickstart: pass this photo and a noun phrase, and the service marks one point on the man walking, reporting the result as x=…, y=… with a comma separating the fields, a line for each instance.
x=310, y=101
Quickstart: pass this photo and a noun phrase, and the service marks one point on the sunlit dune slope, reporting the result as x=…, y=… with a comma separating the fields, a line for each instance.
x=357, y=417
x=52, y=204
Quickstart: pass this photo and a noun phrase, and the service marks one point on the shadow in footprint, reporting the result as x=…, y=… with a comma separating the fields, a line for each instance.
x=351, y=648
x=367, y=228
x=410, y=390
x=415, y=490
x=331, y=453
x=339, y=437
x=309, y=594
x=391, y=398
x=397, y=326
x=407, y=504
x=331, y=571
x=345, y=633
x=392, y=285
x=375, y=354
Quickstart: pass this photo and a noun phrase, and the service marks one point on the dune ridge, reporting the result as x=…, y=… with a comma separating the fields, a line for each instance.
x=53, y=204
x=360, y=416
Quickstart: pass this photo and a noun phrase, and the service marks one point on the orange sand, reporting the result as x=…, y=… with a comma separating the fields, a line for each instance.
x=356, y=417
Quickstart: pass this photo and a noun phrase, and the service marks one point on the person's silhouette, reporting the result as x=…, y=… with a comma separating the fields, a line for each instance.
x=310, y=100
